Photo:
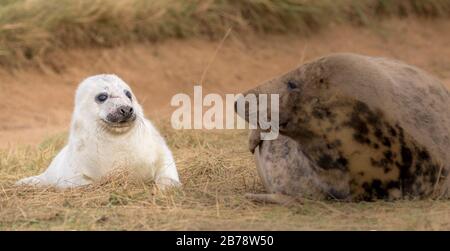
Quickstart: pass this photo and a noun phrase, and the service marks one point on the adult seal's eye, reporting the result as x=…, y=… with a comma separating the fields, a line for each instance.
x=291, y=85
x=101, y=97
x=128, y=94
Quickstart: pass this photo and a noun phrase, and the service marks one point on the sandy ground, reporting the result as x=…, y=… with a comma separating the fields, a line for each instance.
x=38, y=103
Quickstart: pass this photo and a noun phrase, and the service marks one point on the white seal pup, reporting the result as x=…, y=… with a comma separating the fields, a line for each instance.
x=108, y=132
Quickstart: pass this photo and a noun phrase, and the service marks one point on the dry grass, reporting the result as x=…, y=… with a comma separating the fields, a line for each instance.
x=30, y=29
x=216, y=170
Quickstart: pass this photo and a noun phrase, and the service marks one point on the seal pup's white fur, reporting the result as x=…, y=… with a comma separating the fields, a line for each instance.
x=106, y=135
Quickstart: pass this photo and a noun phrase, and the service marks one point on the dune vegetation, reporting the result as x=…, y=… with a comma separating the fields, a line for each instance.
x=30, y=29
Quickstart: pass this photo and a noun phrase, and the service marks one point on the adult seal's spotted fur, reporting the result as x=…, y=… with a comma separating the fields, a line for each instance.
x=108, y=132
x=356, y=128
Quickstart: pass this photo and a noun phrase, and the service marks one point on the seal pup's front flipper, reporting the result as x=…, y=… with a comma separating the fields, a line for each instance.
x=167, y=174
x=31, y=181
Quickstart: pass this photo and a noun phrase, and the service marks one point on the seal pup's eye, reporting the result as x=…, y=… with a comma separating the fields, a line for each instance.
x=291, y=85
x=128, y=94
x=101, y=97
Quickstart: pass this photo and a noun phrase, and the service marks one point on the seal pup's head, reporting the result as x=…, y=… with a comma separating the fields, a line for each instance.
x=106, y=102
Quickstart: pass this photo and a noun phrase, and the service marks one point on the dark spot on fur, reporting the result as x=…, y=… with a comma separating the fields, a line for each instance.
x=359, y=125
x=391, y=130
x=373, y=119
x=419, y=170
x=323, y=84
x=321, y=112
x=401, y=135
x=303, y=133
x=370, y=116
x=374, y=190
x=337, y=143
x=386, y=162
x=388, y=155
x=327, y=162
x=386, y=142
x=407, y=157
x=424, y=155
x=393, y=184
x=361, y=139
x=405, y=174
x=334, y=144
x=342, y=161
x=378, y=133
x=361, y=107
x=360, y=120
x=377, y=186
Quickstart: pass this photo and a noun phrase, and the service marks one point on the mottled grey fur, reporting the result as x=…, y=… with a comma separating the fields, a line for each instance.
x=357, y=128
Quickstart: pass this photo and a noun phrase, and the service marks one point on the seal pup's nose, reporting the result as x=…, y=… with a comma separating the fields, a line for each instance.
x=125, y=111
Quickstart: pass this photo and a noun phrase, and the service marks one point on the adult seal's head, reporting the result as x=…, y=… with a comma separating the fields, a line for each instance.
x=106, y=102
